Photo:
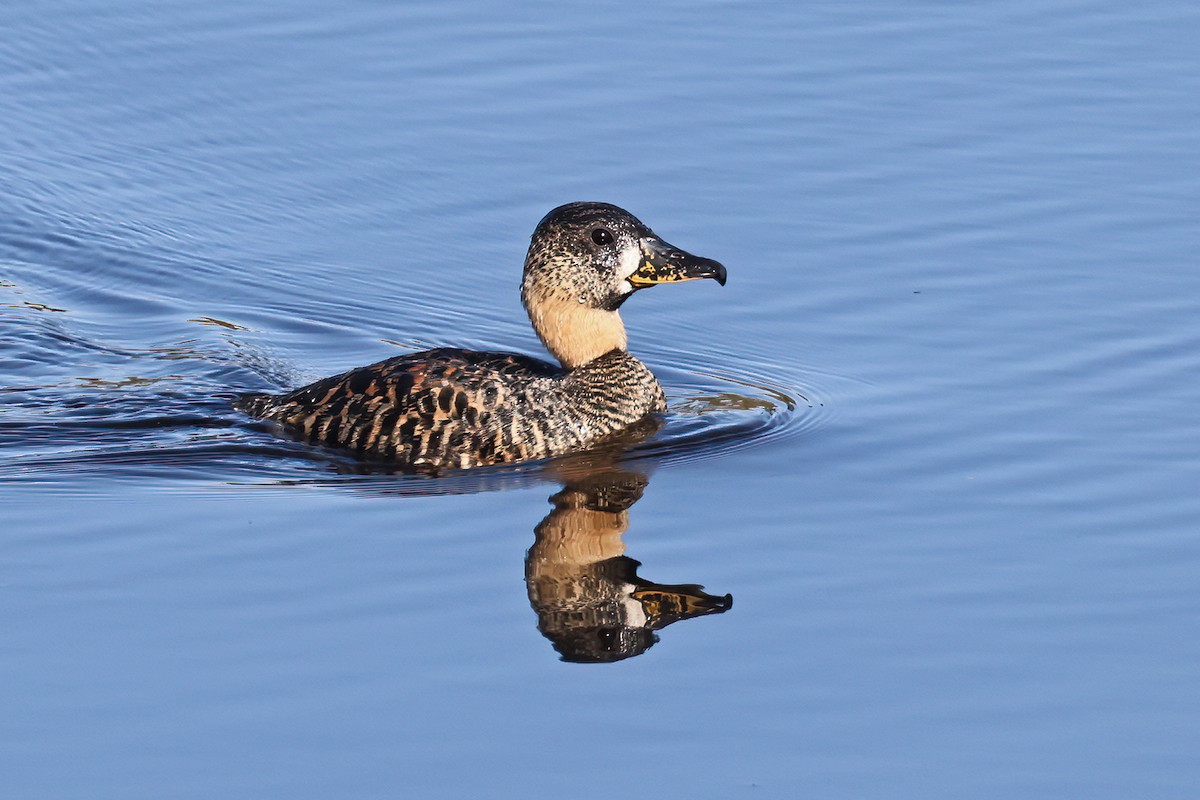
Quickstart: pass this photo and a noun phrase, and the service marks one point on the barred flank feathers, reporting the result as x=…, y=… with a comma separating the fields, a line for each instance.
x=449, y=408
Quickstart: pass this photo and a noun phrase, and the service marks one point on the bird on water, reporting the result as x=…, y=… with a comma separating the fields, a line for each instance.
x=449, y=408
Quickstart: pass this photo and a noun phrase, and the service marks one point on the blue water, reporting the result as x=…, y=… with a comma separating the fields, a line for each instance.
x=937, y=437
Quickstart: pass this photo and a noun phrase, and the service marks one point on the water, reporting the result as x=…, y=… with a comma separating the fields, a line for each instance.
x=936, y=439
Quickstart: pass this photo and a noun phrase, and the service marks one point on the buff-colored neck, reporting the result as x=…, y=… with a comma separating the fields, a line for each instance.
x=575, y=537
x=572, y=332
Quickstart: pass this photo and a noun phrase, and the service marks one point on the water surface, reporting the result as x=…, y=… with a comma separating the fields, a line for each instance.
x=932, y=452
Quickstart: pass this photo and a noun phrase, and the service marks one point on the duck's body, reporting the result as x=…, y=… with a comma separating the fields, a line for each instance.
x=450, y=408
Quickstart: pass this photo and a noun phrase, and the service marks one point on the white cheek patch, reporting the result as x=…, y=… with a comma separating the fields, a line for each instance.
x=635, y=614
x=629, y=260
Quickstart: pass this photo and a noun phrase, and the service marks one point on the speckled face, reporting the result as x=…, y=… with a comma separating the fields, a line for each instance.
x=587, y=250
x=598, y=255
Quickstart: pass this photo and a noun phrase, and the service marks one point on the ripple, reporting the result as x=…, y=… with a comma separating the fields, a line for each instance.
x=716, y=411
x=168, y=417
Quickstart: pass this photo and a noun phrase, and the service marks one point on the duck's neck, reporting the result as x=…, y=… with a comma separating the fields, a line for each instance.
x=574, y=333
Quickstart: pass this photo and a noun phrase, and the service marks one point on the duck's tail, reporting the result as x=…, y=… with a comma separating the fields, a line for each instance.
x=256, y=404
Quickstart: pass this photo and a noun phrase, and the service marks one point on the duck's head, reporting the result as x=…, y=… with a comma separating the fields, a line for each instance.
x=585, y=260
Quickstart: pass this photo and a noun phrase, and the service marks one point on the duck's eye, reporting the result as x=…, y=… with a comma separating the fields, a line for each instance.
x=602, y=236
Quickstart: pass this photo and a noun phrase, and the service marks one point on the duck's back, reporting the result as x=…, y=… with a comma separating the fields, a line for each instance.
x=438, y=408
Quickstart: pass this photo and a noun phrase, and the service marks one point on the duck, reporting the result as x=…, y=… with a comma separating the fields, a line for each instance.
x=451, y=408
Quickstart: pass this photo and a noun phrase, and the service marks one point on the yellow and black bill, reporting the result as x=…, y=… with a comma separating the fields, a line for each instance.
x=666, y=263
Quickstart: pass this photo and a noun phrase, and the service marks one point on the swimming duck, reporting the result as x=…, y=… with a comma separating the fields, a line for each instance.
x=452, y=408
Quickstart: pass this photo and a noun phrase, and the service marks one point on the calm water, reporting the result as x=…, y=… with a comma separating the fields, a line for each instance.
x=937, y=440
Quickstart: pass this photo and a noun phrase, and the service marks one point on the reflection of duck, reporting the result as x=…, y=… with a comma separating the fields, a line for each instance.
x=449, y=408
x=590, y=602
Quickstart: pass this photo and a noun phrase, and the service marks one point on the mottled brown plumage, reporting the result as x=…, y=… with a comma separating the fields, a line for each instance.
x=450, y=408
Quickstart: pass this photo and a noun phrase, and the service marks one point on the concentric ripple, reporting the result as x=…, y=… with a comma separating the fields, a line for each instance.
x=714, y=410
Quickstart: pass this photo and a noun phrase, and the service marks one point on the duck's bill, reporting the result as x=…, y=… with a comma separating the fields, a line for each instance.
x=665, y=263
